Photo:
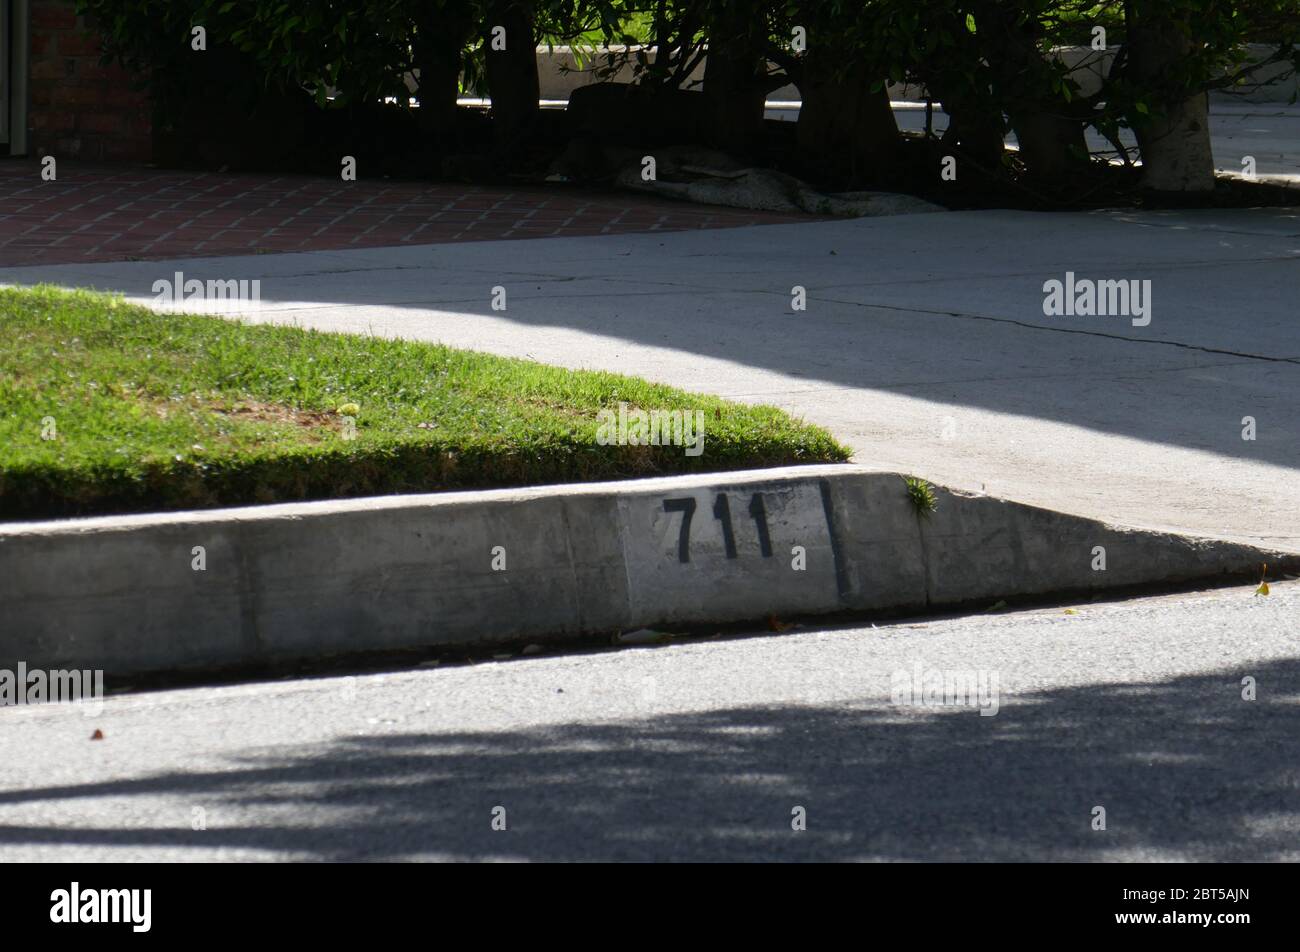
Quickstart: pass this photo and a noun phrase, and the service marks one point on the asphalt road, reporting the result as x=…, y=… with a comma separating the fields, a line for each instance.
x=703, y=750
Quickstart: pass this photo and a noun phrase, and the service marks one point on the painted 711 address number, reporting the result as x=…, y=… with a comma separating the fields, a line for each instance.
x=722, y=512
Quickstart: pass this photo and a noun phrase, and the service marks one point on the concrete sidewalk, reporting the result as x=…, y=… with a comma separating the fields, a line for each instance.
x=924, y=346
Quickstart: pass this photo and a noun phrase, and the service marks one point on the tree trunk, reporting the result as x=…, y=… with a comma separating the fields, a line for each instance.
x=439, y=39
x=512, y=72
x=974, y=128
x=1052, y=145
x=1174, y=137
x=1049, y=129
x=733, y=87
x=1176, y=154
x=847, y=134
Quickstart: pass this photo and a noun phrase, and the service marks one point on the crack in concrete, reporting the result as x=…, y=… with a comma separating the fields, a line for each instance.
x=1067, y=330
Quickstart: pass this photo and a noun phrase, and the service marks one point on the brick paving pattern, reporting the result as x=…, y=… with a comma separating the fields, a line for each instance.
x=120, y=214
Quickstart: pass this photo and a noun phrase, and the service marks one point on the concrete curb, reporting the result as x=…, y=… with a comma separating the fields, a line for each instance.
x=312, y=580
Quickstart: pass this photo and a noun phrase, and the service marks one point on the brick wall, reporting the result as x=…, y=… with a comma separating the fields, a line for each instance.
x=79, y=109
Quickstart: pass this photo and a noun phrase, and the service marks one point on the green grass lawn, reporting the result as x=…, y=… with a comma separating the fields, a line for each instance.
x=109, y=407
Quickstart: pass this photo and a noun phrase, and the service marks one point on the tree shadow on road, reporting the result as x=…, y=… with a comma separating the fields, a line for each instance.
x=1185, y=769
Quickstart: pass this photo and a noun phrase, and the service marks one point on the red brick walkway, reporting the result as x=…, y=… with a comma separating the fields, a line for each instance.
x=119, y=213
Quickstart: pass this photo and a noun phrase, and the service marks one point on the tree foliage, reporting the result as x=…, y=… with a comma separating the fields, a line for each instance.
x=989, y=62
